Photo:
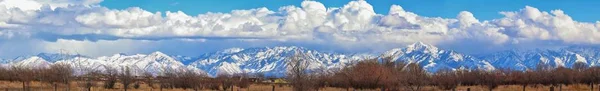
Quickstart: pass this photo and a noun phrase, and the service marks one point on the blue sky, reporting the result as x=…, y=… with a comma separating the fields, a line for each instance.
x=183, y=27
x=580, y=10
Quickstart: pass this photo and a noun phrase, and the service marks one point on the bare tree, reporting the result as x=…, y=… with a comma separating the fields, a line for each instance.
x=446, y=79
x=190, y=79
x=367, y=74
x=525, y=78
x=126, y=77
x=298, y=72
x=490, y=79
x=58, y=73
x=149, y=80
x=397, y=71
x=6, y=74
x=225, y=80
x=88, y=80
x=579, y=69
x=416, y=77
x=167, y=79
x=591, y=76
x=24, y=75
x=241, y=80
x=40, y=74
x=341, y=79
x=563, y=76
x=87, y=74
x=111, y=75
x=323, y=79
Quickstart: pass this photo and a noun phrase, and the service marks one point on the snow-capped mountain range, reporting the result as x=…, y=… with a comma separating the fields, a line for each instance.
x=270, y=61
x=433, y=58
x=273, y=60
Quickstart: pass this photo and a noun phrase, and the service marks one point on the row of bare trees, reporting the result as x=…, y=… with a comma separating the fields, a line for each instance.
x=62, y=76
x=388, y=75
x=57, y=74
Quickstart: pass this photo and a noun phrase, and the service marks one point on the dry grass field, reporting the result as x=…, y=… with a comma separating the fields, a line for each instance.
x=36, y=86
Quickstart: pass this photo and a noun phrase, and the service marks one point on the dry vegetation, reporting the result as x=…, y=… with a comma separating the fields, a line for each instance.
x=371, y=75
x=37, y=86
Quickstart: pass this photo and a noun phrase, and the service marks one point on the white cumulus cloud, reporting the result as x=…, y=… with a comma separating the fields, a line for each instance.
x=350, y=26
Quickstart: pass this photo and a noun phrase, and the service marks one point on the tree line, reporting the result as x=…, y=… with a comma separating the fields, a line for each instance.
x=389, y=75
x=63, y=76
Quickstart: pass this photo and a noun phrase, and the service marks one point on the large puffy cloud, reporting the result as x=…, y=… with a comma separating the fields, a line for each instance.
x=349, y=26
x=530, y=24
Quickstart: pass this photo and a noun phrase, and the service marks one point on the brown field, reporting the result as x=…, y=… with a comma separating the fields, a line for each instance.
x=36, y=86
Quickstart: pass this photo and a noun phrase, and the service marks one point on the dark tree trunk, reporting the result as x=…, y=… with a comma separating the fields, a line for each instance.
x=552, y=88
x=89, y=85
x=524, y=86
x=559, y=87
x=468, y=89
x=24, y=87
x=273, y=88
x=55, y=87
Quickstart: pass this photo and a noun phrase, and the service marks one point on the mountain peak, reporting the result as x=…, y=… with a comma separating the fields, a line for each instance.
x=33, y=61
x=421, y=46
x=158, y=53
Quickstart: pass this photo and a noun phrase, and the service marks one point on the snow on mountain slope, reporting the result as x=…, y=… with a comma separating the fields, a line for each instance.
x=32, y=62
x=433, y=59
x=155, y=63
x=81, y=65
x=590, y=53
x=268, y=60
x=524, y=60
x=273, y=60
x=507, y=59
x=159, y=62
x=553, y=58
